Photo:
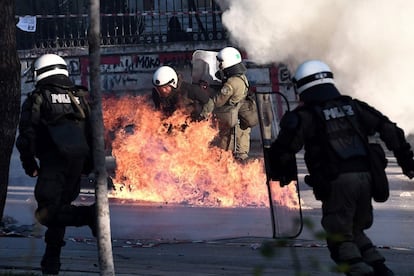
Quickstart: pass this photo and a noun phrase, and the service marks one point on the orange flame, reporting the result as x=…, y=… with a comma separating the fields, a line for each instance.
x=171, y=160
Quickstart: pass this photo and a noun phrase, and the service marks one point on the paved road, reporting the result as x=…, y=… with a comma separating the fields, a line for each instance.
x=179, y=240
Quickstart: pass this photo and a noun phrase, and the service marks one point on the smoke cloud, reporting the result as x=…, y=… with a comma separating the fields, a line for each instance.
x=368, y=44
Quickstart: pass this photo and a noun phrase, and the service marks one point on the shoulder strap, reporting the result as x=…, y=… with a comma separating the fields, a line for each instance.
x=82, y=91
x=77, y=105
x=247, y=90
x=245, y=82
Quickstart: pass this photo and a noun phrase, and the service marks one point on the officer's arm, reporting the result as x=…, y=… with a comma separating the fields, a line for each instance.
x=223, y=96
x=200, y=95
x=196, y=93
x=392, y=135
x=25, y=142
x=394, y=139
x=26, y=138
x=291, y=134
x=282, y=152
x=156, y=99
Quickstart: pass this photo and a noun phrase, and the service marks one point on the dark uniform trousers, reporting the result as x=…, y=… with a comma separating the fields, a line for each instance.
x=58, y=184
x=346, y=213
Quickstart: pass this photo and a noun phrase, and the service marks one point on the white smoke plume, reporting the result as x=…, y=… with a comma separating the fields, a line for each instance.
x=368, y=44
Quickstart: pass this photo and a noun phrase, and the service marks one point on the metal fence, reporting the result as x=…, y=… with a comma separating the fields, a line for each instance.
x=64, y=23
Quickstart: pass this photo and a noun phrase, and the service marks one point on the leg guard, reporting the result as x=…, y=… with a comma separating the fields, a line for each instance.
x=347, y=255
x=50, y=262
x=368, y=251
x=372, y=257
x=381, y=269
x=242, y=143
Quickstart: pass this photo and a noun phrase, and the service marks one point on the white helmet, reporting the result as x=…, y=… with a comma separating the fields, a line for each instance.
x=228, y=57
x=49, y=65
x=311, y=73
x=165, y=75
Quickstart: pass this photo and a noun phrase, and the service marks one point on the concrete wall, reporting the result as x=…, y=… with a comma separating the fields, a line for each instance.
x=130, y=71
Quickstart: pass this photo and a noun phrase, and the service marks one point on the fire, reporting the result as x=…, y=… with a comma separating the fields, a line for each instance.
x=172, y=161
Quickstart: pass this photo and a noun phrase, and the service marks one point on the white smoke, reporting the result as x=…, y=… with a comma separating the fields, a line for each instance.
x=368, y=44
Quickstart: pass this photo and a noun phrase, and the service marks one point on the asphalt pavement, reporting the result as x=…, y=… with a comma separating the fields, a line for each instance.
x=245, y=256
x=185, y=240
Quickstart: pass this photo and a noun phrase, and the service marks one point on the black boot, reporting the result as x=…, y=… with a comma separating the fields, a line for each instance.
x=50, y=263
x=381, y=269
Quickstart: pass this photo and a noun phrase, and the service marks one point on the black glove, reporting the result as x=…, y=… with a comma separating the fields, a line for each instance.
x=203, y=84
x=408, y=168
x=284, y=181
x=281, y=167
x=321, y=187
x=30, y=166
x=405, y=161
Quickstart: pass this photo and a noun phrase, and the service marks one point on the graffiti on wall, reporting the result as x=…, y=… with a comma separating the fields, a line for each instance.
x=133, y=72
x=119, y=73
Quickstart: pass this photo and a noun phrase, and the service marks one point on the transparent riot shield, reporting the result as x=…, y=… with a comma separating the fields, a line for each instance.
x=284, y=202
x=205, y=67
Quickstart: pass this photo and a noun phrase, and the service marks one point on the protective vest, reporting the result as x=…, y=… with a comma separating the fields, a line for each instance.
x=338, y=119
x=63, y=112
x=52, y=103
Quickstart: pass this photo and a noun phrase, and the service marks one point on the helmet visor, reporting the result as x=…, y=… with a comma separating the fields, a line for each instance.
x=50, y=68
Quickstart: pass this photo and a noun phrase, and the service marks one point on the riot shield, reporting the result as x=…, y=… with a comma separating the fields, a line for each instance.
x=205, y=67
x=286, y=218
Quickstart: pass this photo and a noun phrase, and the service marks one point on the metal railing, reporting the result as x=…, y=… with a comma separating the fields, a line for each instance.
x=122, y=22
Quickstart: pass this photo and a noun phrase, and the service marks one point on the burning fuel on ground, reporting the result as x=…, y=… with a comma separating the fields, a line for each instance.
x=171, y=160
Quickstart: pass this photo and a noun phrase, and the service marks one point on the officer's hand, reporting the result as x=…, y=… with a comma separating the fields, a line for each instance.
x=203, y=84
x=203, y=116
x=284, y=181
x=207, y=109
x=408, y=168
x=409, y=174
x=30, y=167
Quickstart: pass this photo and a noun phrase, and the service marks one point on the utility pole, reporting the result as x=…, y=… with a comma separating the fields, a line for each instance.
x=10, y=93
x=106, y=262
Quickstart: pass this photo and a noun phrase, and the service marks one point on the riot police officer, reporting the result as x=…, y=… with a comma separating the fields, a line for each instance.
x=228, y=102
x=171, y=92
x=54, y=131
x=334, y=129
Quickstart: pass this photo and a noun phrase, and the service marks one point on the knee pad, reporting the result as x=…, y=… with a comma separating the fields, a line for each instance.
x=42, y=216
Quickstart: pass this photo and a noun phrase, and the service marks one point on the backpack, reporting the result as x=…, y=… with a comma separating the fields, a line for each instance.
x=247, y=114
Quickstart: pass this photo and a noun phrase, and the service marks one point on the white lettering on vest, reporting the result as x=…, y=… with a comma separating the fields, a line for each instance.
x=335, y=112
x=63, y=99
